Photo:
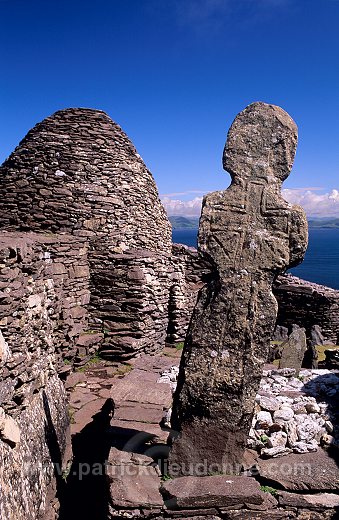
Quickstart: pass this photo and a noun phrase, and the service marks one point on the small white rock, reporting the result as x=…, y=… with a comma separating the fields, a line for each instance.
x=277, y=439
x=10, y=432
x=307, y=430
x=269, y=403
x=329, y=426
x=285, y=414
x=279, y=451
x=264, y=420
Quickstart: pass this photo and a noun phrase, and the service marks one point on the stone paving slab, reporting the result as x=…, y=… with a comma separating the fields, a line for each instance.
x=133, y=481
x=299, y=472
x=318, y=501
x=141, y=390
x=84, y=416
x=140, y=413
x=157, y=363
x=211, y=491
x=262, y=515
x=129, y=429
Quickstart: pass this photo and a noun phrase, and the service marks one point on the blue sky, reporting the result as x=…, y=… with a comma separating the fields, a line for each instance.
x=173, y=74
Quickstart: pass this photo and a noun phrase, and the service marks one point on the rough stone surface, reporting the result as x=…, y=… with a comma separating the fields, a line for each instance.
x=31, y=472
x=213, y=491
x=307, y=304
x=317, y=501
x=43, y=295
x=133, y=481
x=188, y=277
x=10, y=432
x=316, y=471
x=264, y=515
x=294, y=350
x=78, y=172
x=129, y=301
x=250, y=234
x=44, y=289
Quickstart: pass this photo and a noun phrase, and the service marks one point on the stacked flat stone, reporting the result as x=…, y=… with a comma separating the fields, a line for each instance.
x=78, y=172
x=188, y=277
x=307, y=304
x=300, y=302
x=44, y=291
x=129, y=300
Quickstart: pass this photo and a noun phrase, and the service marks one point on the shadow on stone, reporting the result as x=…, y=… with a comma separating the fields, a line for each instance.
x=141, y=443
x=325, y=388
x=85, y=494
x=54, y=449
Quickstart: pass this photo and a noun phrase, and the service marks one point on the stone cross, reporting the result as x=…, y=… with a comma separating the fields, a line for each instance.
x=250, y=235
x=293, y=350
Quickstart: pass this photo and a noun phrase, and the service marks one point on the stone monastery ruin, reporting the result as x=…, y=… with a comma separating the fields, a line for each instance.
x=88, y=269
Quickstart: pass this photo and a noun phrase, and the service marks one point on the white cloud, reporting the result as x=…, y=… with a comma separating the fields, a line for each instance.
x=187, y=208
x=180, y=193
x=315, y=204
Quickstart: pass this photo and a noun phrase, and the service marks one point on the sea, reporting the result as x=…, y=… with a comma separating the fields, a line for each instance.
x=321, y=263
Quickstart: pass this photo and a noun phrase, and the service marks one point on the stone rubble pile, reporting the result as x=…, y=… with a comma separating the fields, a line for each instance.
x=294, y=414
x=170, y=377
x=291, y=414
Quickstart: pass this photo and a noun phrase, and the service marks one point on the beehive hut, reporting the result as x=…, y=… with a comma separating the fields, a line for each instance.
x=77, y=172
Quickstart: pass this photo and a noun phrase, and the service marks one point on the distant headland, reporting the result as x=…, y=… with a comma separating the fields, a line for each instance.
x=180, y=222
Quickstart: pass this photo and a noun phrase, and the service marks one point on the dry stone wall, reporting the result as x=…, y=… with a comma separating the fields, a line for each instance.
x=300, y=302
x=188, y=277
x=43, y=296
x=129, y=301
x=307, y=304
x=79, y=173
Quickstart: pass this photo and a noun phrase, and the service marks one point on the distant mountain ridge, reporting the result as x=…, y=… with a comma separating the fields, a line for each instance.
x=179, y=222
x=323, y=223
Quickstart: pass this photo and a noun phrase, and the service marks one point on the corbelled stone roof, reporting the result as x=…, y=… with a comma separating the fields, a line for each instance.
x=78, y=172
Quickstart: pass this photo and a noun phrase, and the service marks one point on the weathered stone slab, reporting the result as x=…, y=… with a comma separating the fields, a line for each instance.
x=154, y=363
x=73, y=379
x=119, y=427
x=140, y=413
x=293, y=350
x=309, y=471
x=313, y=515
x=317, y=501
x=250, y=234
x=262, y=515
x=193, y=513
x=133, y=481
x=141, y=388
x=84, y=416
x=213, y=491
